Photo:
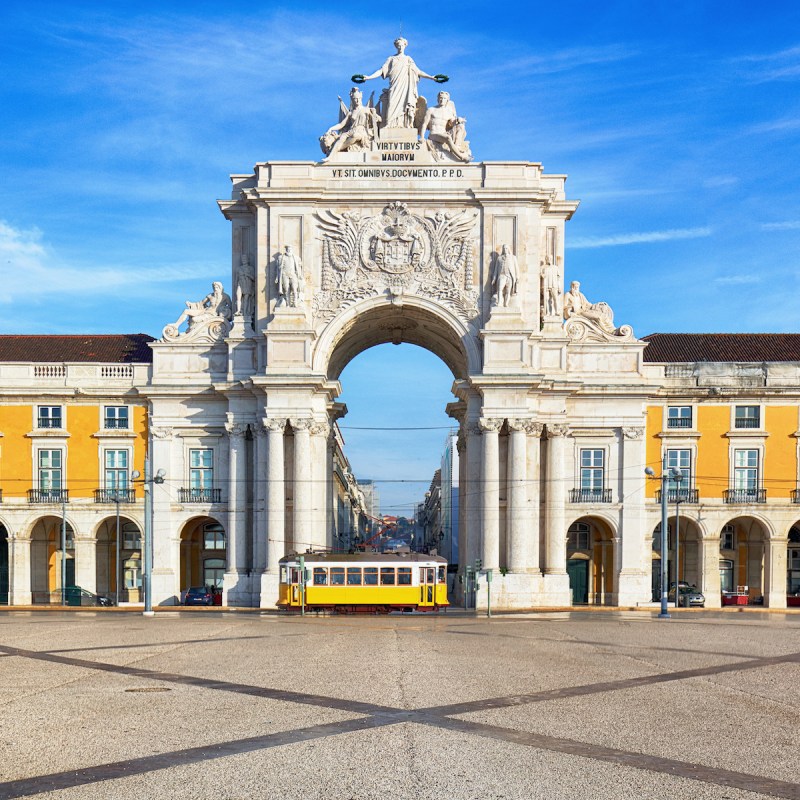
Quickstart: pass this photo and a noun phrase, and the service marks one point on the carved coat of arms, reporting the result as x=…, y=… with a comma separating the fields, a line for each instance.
x=396, y=249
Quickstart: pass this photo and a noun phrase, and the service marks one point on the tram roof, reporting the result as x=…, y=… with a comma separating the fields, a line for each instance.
x=357, y=558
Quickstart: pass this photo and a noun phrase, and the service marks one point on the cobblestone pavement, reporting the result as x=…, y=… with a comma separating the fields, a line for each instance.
x=560, y=705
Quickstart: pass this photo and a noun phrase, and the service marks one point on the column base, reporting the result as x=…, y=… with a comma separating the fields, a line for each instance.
x=775, y=599
x=163, y=588
x=514, y=591
x=268, y=595
x=634, y=588
x=555, y=590
x=237, y=588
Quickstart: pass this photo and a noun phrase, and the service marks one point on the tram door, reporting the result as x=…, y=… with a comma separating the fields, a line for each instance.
x=427, y=585
x=295, y=581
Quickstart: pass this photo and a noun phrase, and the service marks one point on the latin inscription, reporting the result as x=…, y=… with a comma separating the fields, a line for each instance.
x=398, y=172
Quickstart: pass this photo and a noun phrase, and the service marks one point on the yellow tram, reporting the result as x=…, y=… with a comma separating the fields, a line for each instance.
x=379, y=582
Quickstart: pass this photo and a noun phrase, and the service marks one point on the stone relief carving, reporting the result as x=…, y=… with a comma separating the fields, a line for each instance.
x=209, y=319
x=490, y=423
x=447, y=131
x=320, y=429
x=551, y=287
x=591, y=322
x=357, y=128
x=528, y=425
x=504, y=276
x=399, y=251
x=233, y=428
x=301, y=423
x=164, y=433
x=399, y=105
x=274, y=424
x=289, y=278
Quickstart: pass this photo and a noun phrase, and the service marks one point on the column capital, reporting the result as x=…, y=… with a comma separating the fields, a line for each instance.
x=234, y=429
x=633, y=433
x=273, y=424
x=163, y=432
x=461, y=441
x=301, y=423
x=525, y=424
x=557, y=431
x=490, y=424
x=320, y=429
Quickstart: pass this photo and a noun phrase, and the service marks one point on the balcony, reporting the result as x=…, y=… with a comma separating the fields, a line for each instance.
x=679, y=422
x=48, y=422
x=48, y=496
x=200, y=495
x=744, y=496
x=115, y=495
x=746, y=422
x=679, y=495
x=110, y=423
x=590, y=496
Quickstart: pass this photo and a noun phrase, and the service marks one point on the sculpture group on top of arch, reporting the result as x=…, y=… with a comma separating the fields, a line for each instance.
x=399, y=107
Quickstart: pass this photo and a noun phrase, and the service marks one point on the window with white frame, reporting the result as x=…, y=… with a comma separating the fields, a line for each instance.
x=592, y=471
x=48, y=417
x=201, y=469
x=115, y=417
x=213, y=536
x=115, y=469
x=727, y=539
x=131, y=536
x=679, y=458
x=745, y=471
x=50, y=465
x=679, y=417
x=747, y=417
x=213, y=572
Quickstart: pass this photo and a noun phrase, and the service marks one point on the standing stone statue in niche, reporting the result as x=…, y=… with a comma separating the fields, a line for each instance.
x=356, y=130
x=447, y=130
x=551, y=287
x=504, y=277
x=399, y=102
x=245, y=289
x=289, y=278
x=210, y=316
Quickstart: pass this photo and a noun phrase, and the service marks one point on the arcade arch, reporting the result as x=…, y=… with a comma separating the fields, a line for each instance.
x=123, y=573
x=204, y=554
x=46, y=558
x=744, y=557
x=590, y=561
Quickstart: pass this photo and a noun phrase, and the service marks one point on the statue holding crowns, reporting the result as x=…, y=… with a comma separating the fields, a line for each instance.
x=356, y=130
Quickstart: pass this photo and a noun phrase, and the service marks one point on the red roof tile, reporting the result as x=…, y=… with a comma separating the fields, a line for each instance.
x=742, y=347
x=126, y=348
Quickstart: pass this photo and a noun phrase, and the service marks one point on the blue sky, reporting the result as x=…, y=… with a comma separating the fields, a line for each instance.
x=678, y=124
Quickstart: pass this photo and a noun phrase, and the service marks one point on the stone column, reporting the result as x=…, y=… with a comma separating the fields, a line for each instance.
x=533, y=475
x=517, y=516
x=490, y=493
x=632, y=584
x=555, y=562
x=86, y=563
x=472, y=496
x=709, y=551
x=19, y=573
x=237, y=497
x=260, y=460
x=775, y=554
x=166, y=584
x=461, y=447
x=275, y=494
x=318, y=529
x=303, y=532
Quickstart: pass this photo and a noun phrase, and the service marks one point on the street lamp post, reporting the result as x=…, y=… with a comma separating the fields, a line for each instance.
x=63, y=548
x=147, y=484
x=675, y=474
x=678, y=479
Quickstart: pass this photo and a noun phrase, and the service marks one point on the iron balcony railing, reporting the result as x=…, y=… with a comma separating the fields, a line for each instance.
x=745, y=495
x=114, y=422
x=590, y=496
x=746, y=422
x=200, y=495
x=48, y=495
x=679, y=422
x=678, y=495
x=48, y=422
x=115, y=495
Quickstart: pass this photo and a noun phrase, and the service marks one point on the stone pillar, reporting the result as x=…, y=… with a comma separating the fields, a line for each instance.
x=490, y=493
x=166, y=535
x=461, y=446
x=709, y=553
x=318, y=528
x=472, y=497
x=555, y=562
x=260, y=489
x=19, y=573
x=237, y=497
x=533, y=475
x=517, y=515
x=275, y=495
x=633, y=585
x=86, y=563
x=775, y=555
x=303, y=532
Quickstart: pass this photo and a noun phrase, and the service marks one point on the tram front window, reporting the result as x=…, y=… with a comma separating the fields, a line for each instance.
x=442, y=575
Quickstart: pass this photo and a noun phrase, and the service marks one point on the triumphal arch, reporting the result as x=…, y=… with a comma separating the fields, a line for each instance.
x=400, y=233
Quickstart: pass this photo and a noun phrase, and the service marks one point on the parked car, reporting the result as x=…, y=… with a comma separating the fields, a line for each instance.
x=690, y=596
x=198, y=596
x=78, y=596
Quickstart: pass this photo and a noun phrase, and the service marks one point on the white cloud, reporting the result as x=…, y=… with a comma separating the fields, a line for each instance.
x=788, y=225
x=779, y=65
x=737, y=280
x=33, y=271
x=646, y=237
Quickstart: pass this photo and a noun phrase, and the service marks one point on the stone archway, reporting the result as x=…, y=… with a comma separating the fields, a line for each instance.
x=119, y=570
x=591, y=558
x=46, y=559
x=203, y=553
x=745, y=555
